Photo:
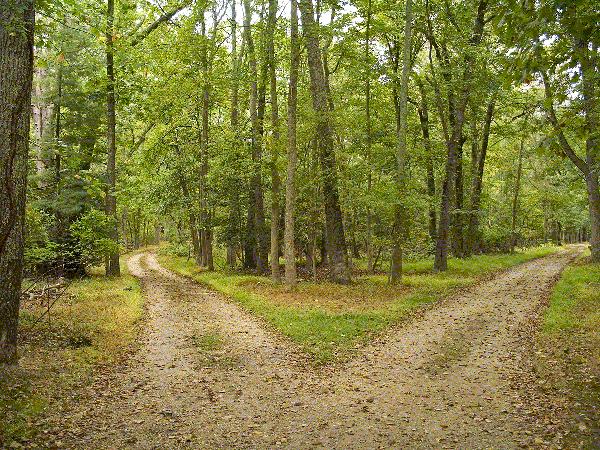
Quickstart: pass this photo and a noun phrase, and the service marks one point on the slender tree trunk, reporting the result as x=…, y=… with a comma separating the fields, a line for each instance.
x=250, y=239
x=333, y=215
x=473, y=243
x=192, y=223
x=424, y=121
x=275, y=142
x=292, y=151
x=234, y=201
x=400, y=231
x=457, y=213
x=259, y=229
x=59, y=232
x=515, y=200
x=589, y=166
x=16, y=72
x=369, y=136
x=112, y=260
x=124, y=223
x=207, y=251
x=41, y=113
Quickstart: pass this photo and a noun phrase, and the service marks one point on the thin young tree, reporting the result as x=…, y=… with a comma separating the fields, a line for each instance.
x=369, y=137
x=454, y=121
x=400, y=208
x=275, y=138
x=112, y=259
x=292, y=151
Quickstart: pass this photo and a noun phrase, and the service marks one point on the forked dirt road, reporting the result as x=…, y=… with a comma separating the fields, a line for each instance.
x=209, y=375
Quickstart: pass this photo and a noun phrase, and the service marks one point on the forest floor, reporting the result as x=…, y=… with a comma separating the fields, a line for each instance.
x=208, y=374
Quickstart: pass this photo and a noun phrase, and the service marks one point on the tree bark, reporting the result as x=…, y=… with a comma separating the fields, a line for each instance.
x=16, y=73
x=259, y=229
x=234, y=201
x=275, y=142
x=369, y=136
x=400, y=231
x=192, y=222
x=589, y=77
x=457, y=116
x=292, y=151
x=473, y=243
x=515, y=200
x=333, y=215
x=457, y=212
x=423, y=111
x=112, y=260
x=589, y=166
x=207, y=250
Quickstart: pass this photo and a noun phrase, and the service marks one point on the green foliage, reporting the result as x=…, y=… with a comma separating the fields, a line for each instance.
x=40, y=251
x=93, y=237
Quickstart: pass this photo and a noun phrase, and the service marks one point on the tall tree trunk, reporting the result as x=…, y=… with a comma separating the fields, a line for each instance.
x=207, y=251
x=369, y=137
x=457, y=116
x=41, y=114
x=192, y=222
x=589, y=166
x=16, y=72
x=424, y=121
x=292, y=151
x=333, y=215
x=473, y=243
x=275, y=142
x=259, y=229
x=515, y=200
x=589, y=76
x=234, y=201
x=400, y=231
x=457, y=213
x=59, y=232
x=112, y=260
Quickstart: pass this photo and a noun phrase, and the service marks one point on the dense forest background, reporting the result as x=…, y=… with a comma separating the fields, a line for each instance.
x=468, y=156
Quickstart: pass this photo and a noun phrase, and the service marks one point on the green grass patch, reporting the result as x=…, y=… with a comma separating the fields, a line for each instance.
x=208, y=342
x=94, y=325
x=569, y=355
x=328, y=320
x=575, y=300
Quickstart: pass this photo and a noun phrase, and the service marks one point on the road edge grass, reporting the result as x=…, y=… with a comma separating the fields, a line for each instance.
x=569, y=348
x=331, y=336
x=96, y=327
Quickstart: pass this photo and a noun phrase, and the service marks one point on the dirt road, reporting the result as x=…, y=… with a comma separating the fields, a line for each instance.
x=208, y=374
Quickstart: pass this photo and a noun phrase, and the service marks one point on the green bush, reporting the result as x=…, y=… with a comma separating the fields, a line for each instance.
x=92, y=237
x=176, y=249
x=40, y=251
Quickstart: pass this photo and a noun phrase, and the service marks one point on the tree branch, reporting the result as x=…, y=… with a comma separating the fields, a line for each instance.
x=154, y=25
x=551, y=113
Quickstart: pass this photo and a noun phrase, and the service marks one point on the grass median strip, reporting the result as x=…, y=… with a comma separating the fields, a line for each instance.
x=328, y=320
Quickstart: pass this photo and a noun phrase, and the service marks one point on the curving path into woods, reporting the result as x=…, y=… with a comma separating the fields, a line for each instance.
x=456, y=376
